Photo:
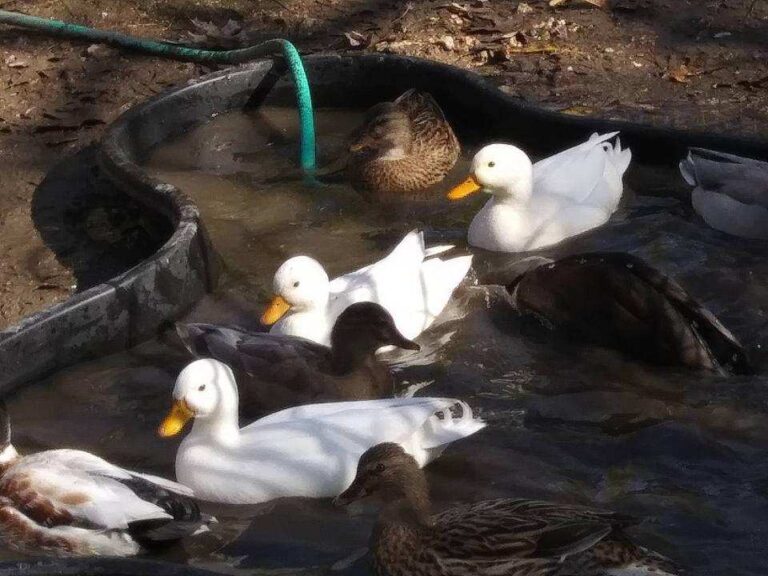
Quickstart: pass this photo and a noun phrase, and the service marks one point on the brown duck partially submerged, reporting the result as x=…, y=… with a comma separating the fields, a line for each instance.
x=508, y=537
x=276, y=371
x=403, y=148
x=616, y=300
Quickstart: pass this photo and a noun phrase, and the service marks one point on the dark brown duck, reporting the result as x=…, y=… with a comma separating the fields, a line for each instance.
x=618, y=301
x=508, y=537
x=277, y=371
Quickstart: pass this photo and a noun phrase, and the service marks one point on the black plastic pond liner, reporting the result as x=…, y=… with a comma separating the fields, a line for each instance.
x=132, y=306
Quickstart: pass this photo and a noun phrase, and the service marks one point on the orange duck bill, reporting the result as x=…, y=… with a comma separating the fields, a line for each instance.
x=469, y=186
x=276, y=310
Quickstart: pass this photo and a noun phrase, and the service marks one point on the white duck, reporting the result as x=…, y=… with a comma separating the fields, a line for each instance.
x=72, y=503
x=409, y=283
x=536, y=205
x=730, y=192
x=309, y=451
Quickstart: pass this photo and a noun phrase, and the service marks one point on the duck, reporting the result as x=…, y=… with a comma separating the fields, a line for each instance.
x=306, y=451
x=411, y=283
x=71, y=503
x=402, y=149
x=617, y=300
x=730, y=192
x=533, y=206
x=503, y=536
x=275, y=371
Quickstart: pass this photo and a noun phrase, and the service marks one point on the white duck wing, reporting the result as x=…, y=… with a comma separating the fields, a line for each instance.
x=590, y=173
x=81, y=487
x=731, y=192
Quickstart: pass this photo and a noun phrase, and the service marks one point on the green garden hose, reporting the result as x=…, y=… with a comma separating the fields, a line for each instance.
x=177, y=52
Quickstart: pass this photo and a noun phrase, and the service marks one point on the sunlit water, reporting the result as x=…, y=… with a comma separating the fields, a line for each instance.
x=687, y=452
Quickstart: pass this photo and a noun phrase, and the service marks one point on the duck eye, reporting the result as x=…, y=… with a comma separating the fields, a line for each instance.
x=201, y=388
x=491, y=164
x=379, y=467
x=296, y=284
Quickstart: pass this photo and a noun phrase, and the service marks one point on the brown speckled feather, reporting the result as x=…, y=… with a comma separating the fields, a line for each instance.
x=404, y=148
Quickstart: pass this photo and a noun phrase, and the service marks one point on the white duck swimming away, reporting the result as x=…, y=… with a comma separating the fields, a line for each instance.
x=730, y=192
x=411, y=283
x=73, y=503
x=537, y=205
x=308, y=451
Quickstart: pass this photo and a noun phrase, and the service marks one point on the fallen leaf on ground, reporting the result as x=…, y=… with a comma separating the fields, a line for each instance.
x=356, y=39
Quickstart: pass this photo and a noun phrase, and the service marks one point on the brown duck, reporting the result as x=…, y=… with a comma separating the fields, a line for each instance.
x=503, y=537
x=616, y=300
x=276, y=371
x=403, y=148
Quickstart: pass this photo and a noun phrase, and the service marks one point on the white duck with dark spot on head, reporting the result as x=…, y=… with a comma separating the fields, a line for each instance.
x=537, y=205
x=73, y=503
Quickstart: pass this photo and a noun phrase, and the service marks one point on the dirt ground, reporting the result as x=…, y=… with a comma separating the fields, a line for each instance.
x=688, y=63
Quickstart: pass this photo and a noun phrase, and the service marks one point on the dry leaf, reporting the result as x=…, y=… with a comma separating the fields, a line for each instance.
x=679, y=74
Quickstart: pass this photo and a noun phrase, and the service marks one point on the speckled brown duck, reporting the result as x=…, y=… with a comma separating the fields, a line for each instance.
x=277, y=371
x=506, y=537
x=73, y=503
x=403, y=148
x=616, y=300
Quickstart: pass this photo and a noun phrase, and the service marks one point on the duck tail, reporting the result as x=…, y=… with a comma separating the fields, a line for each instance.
x=435, y=250
x=450, y=424
x=440, y=278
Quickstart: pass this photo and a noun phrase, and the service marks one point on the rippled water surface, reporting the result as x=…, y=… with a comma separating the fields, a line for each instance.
x=687, y=452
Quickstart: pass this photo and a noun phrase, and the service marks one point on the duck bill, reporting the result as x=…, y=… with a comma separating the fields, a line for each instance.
x=276, y=310
x=402, y=342
x=469, y=186
x=174, y=423
x=356, y=491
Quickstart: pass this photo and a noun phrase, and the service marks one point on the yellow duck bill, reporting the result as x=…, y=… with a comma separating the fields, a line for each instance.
x=469, y=186
x=276, y=310
x=174, y=423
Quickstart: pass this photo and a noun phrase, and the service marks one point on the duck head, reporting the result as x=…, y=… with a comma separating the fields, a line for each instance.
x=300, y=284
x=368, y=326
x=385, y=134
x=206, y=391
x=391, y=474
x=502, y=170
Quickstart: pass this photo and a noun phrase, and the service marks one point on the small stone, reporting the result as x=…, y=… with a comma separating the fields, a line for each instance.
x=524, y=8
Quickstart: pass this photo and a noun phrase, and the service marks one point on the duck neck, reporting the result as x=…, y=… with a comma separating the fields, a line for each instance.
x=516, y=193
x=223, y=424
x=349, y=355
x=413, y=507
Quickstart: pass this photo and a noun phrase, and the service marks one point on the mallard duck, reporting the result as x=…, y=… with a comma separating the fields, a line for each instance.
x=730, y=192
x=538, y=205
x=410, y=283
x=275, y=371
x=506, y=536
x=618, y=301
x=308, y=451
x=73, y=503
x=403, y=147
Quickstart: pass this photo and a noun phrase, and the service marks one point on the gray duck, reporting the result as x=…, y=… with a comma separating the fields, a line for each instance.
x=277, y=371
x=730, y=192
x=504, y=537
x=403, y=148
x=618, y=301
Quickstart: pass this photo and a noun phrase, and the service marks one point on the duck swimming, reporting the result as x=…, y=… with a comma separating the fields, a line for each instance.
x=410, y=283
x=618, y=301
x=308, y=451
x=730, y=192
x=510, y=537
x=403, y=148
x=538, y=205
x=73, y=503
x=275, y=371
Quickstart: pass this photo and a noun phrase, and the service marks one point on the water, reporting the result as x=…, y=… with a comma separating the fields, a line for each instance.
x=687, y=452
